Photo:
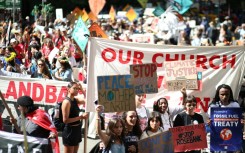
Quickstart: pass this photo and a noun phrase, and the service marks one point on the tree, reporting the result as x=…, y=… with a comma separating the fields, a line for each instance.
x=35, y=12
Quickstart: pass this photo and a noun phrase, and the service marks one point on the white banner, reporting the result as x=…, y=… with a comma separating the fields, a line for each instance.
x=218, y=65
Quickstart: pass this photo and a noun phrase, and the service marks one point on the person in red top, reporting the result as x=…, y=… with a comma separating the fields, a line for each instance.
x=19, y=51
x=58, y=39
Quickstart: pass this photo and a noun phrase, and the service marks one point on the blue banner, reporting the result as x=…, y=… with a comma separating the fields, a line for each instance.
x=226, y=129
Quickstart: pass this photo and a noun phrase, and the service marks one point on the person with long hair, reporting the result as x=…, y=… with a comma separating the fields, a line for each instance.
x=223, y=98
x=132, y=131
x=72, y=133
x=168, y=113
x=42, y=70
x=154, y=125
x=113, y=139
x=64, y=72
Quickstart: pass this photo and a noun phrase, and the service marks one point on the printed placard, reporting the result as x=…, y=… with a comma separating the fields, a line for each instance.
x=226, y=129
x=182, y=72
x=192, y=137
x=144, y=78
x=157, y=143
x=116, y=93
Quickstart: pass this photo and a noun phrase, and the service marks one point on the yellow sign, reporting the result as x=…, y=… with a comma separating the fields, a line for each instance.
x=92, y=16
x=131, y=14
x=85, y=15
x=112, y=13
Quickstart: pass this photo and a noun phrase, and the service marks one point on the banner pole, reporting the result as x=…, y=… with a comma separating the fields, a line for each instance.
x=85, y=135
x=10, y=113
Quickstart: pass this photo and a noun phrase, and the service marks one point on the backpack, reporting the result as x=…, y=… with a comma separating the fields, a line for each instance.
x=57, y=116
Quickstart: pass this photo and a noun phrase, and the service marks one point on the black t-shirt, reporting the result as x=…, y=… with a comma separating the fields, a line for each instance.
x=131, y=139
x=183, y=119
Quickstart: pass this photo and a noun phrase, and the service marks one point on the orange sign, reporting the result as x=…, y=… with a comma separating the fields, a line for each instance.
x=77, y=12
x=112, y=13
x=92, y=17
x=96, y=31
x=96, y=6
x=131, y=14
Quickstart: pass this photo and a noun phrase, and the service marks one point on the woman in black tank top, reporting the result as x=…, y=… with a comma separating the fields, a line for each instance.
x=72, y=133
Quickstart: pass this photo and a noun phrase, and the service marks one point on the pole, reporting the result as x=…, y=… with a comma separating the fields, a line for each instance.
x=85, y=135
x=13, y=10
x=9, y=111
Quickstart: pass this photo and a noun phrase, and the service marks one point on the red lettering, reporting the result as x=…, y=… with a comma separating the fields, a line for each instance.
x=51, y=94
x=62, y=94
x=136, y=71
x=35, y=88
x=153, y=69
x=204, y=105
x=211, y=61
x=168, y=58
x=108, y=50
x=201, y=60
x=121, y=57
x=24, y=90
x=226, y=62
x=138, y=56
x=154, y=59
x=159, y=81
x=11, y=91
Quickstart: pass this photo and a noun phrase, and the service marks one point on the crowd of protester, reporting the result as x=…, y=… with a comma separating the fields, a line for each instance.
x=50, y=52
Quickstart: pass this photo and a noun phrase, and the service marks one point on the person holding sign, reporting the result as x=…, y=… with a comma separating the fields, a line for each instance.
x=168, y=113
x=223, y=98
x=154, y=125
x=189, y=117
x=113, y=139
x=132, y=131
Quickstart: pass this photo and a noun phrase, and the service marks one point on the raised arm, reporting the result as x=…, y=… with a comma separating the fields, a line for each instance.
x=184, y=95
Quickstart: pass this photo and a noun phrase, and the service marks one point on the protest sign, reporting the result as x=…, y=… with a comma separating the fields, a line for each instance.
x=131, y=14
x=192, y=137
x=116, y=93
x=143, y=38
x=81, y=34
x=181, y=74
x=159, y=143
x=220, y=65
x=226, y=129
x=144, y=78
x=96, y=31
x=96, y=6
x=14, y=143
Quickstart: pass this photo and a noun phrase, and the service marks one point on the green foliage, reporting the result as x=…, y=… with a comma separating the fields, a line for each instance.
x=46, y=10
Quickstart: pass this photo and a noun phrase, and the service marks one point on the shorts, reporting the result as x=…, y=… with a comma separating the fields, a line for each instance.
x=72, y=135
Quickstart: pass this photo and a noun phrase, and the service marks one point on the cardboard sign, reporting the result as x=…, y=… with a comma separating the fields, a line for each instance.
x=96, y=31
x=131, y=14
x=143, y=38
x=181, y=74
x=226, y=129
x=116, y=93
x=192, y=137
x=96, y=6
x=81, y=34
x=145, y=78
x=160, y=143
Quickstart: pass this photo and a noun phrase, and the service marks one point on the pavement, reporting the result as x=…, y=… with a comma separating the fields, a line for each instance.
x=90, y=144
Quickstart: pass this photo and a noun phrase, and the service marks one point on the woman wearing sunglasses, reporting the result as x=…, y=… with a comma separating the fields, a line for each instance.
x=42, y=70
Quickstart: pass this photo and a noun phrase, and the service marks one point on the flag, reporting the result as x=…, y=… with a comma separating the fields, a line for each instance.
x=96, y=6
x=143, y=3
x=41, y=118
x=112, y=13
x=182, y=5
x=131, y=14
x=96, y=31
x=126, y=8
x=85, y=15
x=80, y=34
x=92, y=17
x=158, y=11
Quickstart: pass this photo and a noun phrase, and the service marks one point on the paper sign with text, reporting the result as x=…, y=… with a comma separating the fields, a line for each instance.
x=144, y=78
x=159, y=143
x=226, y=129
x=181, y=72
x=116, y=93
x=192, y=137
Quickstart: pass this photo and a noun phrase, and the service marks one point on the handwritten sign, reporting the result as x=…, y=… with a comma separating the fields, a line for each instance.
x=181, y=74
x=145, y=78
x=190, y=137
x=226, y=129
x=157, y=143
x=116, y=93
